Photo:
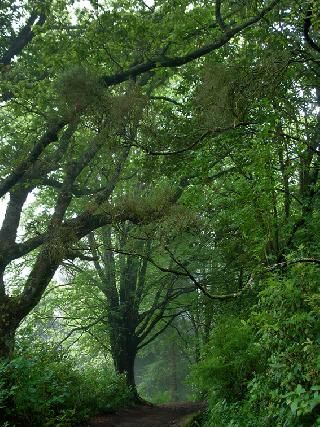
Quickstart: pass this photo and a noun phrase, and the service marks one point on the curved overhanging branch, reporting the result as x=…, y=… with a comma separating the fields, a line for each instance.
x=177, y=61
x=198, y=285
x=194, y=144
x=184, y=272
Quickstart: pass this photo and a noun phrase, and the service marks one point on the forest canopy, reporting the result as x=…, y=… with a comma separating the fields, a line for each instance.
x=160, y=229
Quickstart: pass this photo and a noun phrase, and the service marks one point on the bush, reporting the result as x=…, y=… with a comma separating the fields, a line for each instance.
x=231, y=359
x=282, y=389
x=49, y=390
x=103, y=391
x=287, y=320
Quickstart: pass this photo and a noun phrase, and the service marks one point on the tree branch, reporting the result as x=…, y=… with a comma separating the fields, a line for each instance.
x=306, y=30
x=194, y=144
x=50, y=136
x=8, y=232
x=199, y=286
x=23, y=38
x=219, y=18
x=94, y=249
x=80, y=329
x=167, y=99
x=167, y=324
x=165, y=62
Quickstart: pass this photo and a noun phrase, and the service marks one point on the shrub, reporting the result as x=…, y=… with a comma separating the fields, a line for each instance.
x=231, y=359
x=49, y=390
x=284, y=390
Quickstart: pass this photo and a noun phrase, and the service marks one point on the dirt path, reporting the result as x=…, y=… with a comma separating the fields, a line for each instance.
x=149, y=416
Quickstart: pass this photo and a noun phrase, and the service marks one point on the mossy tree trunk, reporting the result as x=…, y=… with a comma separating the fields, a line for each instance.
x=124, y=352
x=8, y=327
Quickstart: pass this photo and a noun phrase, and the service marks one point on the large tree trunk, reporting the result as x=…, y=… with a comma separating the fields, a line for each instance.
x=124, y=352
x=124, y=364
x=124, y=347
x=8, y=327
x=6, y=343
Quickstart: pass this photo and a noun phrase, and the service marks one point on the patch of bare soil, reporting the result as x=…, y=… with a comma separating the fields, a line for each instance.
x=169, y=415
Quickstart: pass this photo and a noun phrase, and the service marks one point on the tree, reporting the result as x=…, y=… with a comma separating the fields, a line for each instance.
x=56, y=135
x=264, y=211
x=140, y=293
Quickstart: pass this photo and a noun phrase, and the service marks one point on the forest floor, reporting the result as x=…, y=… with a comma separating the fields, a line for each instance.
x=168, y=415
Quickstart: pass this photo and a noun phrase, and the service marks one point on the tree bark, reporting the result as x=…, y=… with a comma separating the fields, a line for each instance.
x=8, y=327
x=124, y=352
x=6, y=343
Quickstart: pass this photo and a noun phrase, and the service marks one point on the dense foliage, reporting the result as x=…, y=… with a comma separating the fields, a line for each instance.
x=49, y=389
x=267, y=369
x=159, y=199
